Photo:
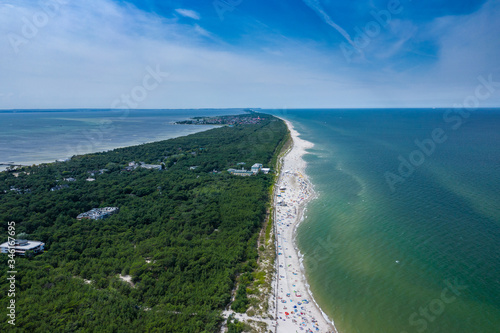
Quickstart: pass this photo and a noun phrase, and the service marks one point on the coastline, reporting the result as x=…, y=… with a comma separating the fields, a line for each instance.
x=295, y=308
x=57, y=157
x=304, y=314
x=235, y=212
x=61, y=134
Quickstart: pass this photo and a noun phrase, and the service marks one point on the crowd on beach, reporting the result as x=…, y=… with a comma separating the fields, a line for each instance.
x=295, y=309
x=292, y=309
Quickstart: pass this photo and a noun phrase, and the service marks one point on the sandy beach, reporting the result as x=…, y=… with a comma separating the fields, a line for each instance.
x=291, y=306
x=295, y=309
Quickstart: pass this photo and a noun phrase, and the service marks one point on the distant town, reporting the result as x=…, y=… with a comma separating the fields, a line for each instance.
x=226, y=120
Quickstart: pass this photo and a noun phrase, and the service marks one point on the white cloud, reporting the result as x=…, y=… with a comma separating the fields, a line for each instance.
x=89, y=54
x=188, y=13
x=316, y=6
x=468, y=47
x=202, y=31
x=470, y=43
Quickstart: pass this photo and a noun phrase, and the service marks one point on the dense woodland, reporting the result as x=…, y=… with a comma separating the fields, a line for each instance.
x=183, y=235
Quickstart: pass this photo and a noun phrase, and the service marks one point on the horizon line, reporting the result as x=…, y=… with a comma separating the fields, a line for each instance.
x=253, y=108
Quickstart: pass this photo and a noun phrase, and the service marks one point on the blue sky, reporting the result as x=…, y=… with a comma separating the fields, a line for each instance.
x=242, y=53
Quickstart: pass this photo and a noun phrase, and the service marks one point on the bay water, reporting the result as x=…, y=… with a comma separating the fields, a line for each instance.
x=39, y=136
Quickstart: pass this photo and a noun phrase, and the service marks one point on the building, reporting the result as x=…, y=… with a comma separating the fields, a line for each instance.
x=59, y=187
x=151, y=166
x=256, y=168
x=241, y=172
x=15, y=189
x=98, y=213
x=132, y=166
x=20, y=246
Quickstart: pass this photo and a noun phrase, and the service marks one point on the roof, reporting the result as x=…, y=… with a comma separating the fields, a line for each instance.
x=239, y=171
x=23, y=244
x=98, y=213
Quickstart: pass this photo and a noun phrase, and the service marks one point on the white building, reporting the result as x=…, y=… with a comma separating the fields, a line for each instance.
x=241, y=172
x=256, y=168
x=150, y=166
x=20, y=246
x=98, y=213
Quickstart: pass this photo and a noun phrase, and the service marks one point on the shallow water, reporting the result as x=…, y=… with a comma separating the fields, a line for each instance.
x=32, y=137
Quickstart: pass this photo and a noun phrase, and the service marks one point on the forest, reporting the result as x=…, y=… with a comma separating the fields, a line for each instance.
x=182, y=236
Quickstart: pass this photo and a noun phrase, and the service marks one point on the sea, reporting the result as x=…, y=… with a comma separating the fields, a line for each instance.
x=41, y=136
x=404, y=235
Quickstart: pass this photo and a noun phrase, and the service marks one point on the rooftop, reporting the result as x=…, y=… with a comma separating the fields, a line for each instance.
x=98, y=213
x=22, y=245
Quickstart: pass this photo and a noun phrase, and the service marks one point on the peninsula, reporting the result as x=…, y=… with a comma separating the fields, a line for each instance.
x=187, y=246
x=141, y=249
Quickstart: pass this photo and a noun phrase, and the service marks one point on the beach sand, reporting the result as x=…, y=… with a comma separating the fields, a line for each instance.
x=291, y=306
x=295, y=309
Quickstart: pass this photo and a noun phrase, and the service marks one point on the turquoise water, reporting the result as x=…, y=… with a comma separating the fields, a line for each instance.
x=33, y=136
x=422, y=258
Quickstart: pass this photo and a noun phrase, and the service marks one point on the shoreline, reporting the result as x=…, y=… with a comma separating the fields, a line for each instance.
x=295, y=307
x=102, y=149
x=98, y=137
